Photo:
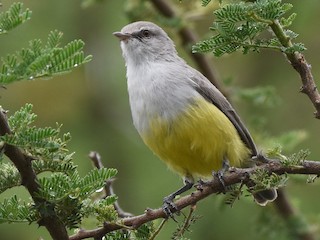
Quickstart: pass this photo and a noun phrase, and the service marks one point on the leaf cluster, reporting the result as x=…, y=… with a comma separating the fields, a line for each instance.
x=13, y=17
x=38, y=60
x=233, y=194
x=144, y=232
x=244, y=26
x=295, y=159
x=264, y=180
x=65, y=192
x=13, y=210
x=40, y=143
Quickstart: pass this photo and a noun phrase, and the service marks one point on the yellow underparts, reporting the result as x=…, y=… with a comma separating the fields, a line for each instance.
x=197, y=141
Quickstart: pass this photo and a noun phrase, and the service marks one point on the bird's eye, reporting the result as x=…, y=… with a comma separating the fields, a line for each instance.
x=145, y=33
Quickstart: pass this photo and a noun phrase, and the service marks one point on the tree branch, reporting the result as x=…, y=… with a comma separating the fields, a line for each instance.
x=234, y=176
x=108, y=189
x=300, y=64
x=288, y=213
x=22, y=162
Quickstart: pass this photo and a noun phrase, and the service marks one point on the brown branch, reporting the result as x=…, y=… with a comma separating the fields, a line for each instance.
x=309, y=87
x=300, y=64
x=96, y=159
x=288, y=213
x=188, y=38
x=235, y=175
x=22, y=162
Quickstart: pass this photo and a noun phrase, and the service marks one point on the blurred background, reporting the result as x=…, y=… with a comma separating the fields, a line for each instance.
x=92, y=104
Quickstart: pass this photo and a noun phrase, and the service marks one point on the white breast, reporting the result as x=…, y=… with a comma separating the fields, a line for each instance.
x=157, y=89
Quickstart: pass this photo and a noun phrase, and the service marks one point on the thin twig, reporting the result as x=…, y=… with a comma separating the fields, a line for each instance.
x=157, y=231
x=187, y=221
x=237, y=175
x=22, y=162
x=96, y=159
x=300, y=64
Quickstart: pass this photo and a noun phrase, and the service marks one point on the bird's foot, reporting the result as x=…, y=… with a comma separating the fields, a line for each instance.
x=169, y=207
x=220, y=174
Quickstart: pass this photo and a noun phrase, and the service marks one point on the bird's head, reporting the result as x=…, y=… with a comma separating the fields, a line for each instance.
x=145, y=42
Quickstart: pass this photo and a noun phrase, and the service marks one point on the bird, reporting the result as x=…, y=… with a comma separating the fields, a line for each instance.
x=179, y=114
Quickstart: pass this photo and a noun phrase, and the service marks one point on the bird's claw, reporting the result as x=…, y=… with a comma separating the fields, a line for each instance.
x=220, y=174
x=169, y=208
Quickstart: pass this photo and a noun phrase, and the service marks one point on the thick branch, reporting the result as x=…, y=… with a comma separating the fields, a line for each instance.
x=55, y=227
x=288, y=213
x=236, y=175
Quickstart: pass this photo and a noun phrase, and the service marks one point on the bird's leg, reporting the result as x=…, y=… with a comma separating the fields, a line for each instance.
x=222, y=171
x=168, y=204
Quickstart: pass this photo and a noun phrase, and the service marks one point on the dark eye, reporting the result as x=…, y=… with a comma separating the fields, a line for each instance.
x=145, y=33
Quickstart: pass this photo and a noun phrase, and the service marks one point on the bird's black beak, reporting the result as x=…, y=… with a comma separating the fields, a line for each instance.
x=122, y=36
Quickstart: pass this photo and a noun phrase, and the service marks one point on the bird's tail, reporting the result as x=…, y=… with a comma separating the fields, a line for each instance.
x=265, y=196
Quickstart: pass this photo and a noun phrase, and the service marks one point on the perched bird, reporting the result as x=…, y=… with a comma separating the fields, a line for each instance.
x=180, y=115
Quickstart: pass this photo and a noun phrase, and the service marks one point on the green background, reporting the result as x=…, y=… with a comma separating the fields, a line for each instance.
x=92, y=104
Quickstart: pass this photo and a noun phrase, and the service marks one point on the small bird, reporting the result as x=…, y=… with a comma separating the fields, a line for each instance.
x=180, y=115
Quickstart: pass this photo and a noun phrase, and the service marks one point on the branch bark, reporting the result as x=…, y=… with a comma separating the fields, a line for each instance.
x=234, y=176
x=286, y=210
x=22, y=162
x=300, y=64
x=108, y=189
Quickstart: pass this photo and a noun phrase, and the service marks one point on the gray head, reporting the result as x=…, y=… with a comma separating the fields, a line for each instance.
x=143, y=42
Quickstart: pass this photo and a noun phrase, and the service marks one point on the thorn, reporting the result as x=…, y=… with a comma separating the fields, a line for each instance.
x=316, y=114
x=315, y=88
x=302, y=89
x=148, y=211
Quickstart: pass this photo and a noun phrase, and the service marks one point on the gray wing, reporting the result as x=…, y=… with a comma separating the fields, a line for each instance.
x=213, y=95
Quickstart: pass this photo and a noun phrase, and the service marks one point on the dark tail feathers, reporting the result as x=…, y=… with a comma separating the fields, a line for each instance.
x=265, y=196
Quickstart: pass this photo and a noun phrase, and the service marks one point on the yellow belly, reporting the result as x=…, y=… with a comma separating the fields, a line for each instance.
x=197, y=141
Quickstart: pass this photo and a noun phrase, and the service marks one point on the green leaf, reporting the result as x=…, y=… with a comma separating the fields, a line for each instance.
x=205, y=2
x=95, y=180
x=14, y=210
x=232, y=13
x=264, y=180
x=22, y=118
x=9, y=176
x=14, y=17
x=61, y=165
x=40, y=143
x=54, y=39
x=244, y=26
x=38, y=61
x=286, y=22
x=296, y=47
